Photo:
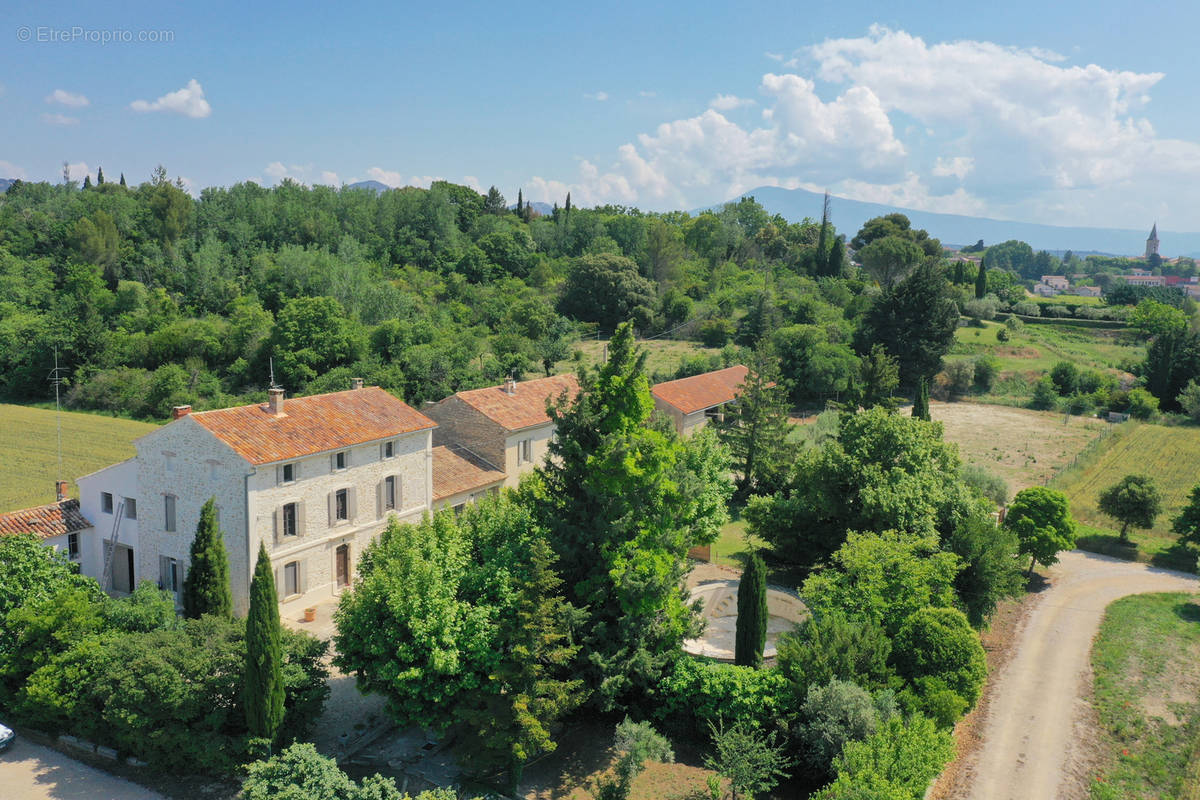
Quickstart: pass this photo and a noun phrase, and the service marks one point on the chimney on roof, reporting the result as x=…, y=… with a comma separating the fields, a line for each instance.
x=60, y=490
x=356, y=383
x=179, y=412
x=275, y=402
x=510, y=385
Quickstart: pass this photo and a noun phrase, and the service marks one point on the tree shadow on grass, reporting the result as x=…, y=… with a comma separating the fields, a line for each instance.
x=1189, y=612
x=1178, y=557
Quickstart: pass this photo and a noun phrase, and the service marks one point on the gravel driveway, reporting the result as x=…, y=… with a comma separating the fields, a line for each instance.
x=1037, y=698
x=29, y=771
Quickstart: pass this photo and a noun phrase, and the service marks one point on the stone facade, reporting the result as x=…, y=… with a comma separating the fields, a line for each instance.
x=459, y=423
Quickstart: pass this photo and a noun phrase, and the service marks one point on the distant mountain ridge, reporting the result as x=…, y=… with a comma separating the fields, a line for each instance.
x=5, y=183
x=849, y=215
x=374, y=186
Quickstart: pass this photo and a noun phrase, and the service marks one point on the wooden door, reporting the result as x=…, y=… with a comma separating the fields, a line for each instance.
x=343, y=565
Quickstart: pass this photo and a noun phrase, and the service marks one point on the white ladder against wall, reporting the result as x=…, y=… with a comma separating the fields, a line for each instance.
x=110, y=550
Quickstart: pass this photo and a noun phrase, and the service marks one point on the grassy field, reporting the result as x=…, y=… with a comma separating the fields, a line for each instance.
x=662, y=355
x=1169, y=455
x=29, y=451
x=1022, y=446
x=1036, y=348
x=1147, y=696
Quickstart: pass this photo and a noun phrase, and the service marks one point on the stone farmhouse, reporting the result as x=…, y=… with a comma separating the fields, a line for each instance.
x=314, y=479
x=506, y=426
x=692, y=402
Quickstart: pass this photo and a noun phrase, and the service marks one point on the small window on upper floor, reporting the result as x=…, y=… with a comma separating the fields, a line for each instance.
x=73, y=546
x=340, y=459
x=170, y=461
x=389, y=492
x=289, y=520
x=288, y=473
x=389, y=449
x=169, y=512
x=341, y=511
x=525, y=451
x=130, y=508
x=106, y=502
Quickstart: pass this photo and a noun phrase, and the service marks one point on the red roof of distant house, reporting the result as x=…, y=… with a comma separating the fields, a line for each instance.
x=312, y=424
x=526, y=406
x=53, y=519
x=456, y=469
x=702, y=391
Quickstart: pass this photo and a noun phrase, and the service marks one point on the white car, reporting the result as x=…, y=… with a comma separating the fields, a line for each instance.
x=6, y=737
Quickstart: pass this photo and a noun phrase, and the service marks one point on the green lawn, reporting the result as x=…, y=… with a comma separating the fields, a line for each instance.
x=663, y=356
x=1147, y=696
x=1036, y=348
x=29, y=450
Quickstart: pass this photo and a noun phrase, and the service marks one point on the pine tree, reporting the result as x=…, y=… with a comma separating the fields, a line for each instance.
x=981, y=280
x=99, y=176
x=206, y=588
x=751, y=635
x=122, y=178
x=263, y=679
x=494, y=202
x=920, y=409
x=755, y=428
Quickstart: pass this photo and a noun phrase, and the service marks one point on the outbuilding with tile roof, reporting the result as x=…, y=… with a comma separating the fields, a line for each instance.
x=692, y=402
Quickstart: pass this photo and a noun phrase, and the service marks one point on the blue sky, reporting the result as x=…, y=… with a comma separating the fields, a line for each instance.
x=1069, y=113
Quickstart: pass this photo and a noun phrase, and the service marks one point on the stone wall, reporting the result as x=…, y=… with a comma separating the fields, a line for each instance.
x=459, y=423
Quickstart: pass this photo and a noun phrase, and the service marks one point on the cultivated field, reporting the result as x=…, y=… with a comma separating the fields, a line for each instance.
x=29, y=451
x=1171, y=456
x=1024, y=447
x=662, y=355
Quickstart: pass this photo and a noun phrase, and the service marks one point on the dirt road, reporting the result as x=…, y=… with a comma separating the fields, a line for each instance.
x=29, y=771
x=1026, y=749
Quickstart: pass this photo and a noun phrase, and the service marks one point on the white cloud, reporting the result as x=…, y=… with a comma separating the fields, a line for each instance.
x=11, y=170
x=599, y=97
x=330, y=178
x=59, y=119
x=396, y=179
x=78, y=169
x=188, y=101
x=958, y=167
x=63, y=97
x=645, y=93
x=728, y=102
x=189, y=185
x=789, y=62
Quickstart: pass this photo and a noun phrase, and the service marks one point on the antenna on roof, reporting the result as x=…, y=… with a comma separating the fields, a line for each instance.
x=274, y=385
x=57, y=379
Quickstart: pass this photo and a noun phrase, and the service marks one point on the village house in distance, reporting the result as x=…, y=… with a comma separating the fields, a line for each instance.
x=315, y=479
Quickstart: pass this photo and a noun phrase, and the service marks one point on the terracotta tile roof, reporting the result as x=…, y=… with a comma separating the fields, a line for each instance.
x=312, y=424
x=53, y=519
x=456, y=469
x=524, y=408
x=702, y=391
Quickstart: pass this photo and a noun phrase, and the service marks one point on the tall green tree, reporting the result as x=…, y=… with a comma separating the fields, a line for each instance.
x=262, y=687
x=749, y=758
x=915, y=320
x=494, y=202
x=616, y=499
x=879, y=376
x=1187, y=524
x=920, y=409
x=756, y=427
x=981, y=280
x=206, y=588
x=1041, y=518
x=889, y=259
x=751, y=634
x=1134, y=501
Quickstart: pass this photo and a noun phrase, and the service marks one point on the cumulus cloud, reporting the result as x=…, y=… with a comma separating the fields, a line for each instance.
x=728, y=102
x=63, y=97
x=11, y=170
x=59, y=119
x=330, y=178
x=77, y=170
x=599, y=97
x=189, y=101
x=886, y=116
x=957, y=167
x=647, y=93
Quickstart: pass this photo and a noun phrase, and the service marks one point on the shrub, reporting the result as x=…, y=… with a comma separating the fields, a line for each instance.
x=982, y=308
x=940, y=643
x=832, y=715
x=1014, y=324
x=1002, y=335
x=1027, y=308
x=1142, y=404
x=1189, y=400
x=696, y=694
x=957, y=378
x=833, y=646
x=897, y=762
x=1065, y=377
x=1045, y=396
x=715, y=332
x=988, y=484
x=301, y=773
x=986, y=370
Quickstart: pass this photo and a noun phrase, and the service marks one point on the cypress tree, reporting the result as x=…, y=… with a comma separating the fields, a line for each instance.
x=263, y=679
x=837, y=257
x=981, y=280
x=823, y=264
x=751, y=636
x=920, y=409
x=87, y=181
x=206, y=589
x=99, y=176
x=122, y=178
x=960, y=273
x=520, y=203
